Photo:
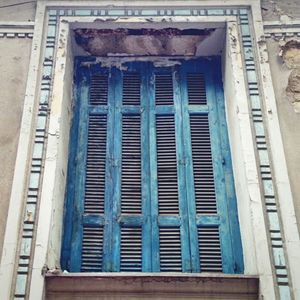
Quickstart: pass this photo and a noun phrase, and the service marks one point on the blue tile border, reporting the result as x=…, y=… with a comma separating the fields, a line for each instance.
x=254, y=97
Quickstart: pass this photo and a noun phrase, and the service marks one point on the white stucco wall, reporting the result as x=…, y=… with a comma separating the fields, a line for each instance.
x=14, y=60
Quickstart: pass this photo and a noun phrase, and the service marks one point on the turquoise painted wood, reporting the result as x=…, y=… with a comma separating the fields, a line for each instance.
x=77, y=231
x=182, y=132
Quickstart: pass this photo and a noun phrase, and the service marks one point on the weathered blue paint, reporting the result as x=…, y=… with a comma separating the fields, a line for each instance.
x=80, y=159
x=68, y=213
x=150, y=221
x=189, y=176
x=181, y=166
x=145, y=166
x=236, y=244
x=153, y=171
x=116, y=75
x=93, y=220
x=109, y=180
x=218, y=160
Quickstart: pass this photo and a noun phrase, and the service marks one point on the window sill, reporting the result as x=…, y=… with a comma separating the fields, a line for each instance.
x=150, y=286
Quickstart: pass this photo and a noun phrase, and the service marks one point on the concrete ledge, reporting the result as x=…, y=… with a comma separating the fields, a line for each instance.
x=150, y=286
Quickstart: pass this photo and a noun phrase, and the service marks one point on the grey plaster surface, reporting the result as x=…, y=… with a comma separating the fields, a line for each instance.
x=275, y=10
x=289, y=120
x=17, y=10
x=14, y=60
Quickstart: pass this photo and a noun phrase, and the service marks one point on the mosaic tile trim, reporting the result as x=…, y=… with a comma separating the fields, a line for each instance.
x=29, y=223
x=15, y=35
x=268, y=187
x=35, y=182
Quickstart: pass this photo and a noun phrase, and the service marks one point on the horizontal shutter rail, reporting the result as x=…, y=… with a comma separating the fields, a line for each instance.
x=131, y=88
x=95, y=165
x=202, y=165
x=166, y=165
x=164, y=89
x=131, y=250
x=170, y=249
x=210, y=249
x=99, y=89
x=196, y=89
x=92, y=249
x=131, y=190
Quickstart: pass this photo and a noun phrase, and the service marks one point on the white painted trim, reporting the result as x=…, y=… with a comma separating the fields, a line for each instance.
x=249, y=199
x=285, y=198
x=20, y=180
x=16, y=29
x=253, y=229
x=52, y=169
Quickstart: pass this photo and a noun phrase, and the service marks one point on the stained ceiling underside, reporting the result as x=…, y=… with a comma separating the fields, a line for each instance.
x=149, y=41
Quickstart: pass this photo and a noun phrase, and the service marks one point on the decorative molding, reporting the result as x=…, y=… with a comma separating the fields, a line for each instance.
x=259, y=130
x=16, y=29
x=279, y=30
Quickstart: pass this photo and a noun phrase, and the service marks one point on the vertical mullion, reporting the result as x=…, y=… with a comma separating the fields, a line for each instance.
x=153, y=171
x=189, y=177
x=183, y=208
x=77, y=230
x=234, y=231
x=116, y=161
x=145, y=168
x=109, y=180
x=218, y=160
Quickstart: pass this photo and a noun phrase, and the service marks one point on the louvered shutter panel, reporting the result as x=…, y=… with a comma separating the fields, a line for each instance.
x=149, y=192
x=131, y=225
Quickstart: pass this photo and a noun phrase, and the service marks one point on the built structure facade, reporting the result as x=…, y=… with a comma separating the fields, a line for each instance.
x=150, y=149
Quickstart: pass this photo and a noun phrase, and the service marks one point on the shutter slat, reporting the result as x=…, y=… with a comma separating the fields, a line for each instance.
x=131, y=192
x=98, y=89
x=166, y=166
x=196, y=89
x=131, y=88
x=92, y=249
x=170, y=249
x=163, y=89
x=210, y=249
x=202, y=165
x=131, y=250
x=95, y=165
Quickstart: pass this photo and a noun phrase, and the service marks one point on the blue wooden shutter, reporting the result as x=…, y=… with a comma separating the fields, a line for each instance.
x=151, y=162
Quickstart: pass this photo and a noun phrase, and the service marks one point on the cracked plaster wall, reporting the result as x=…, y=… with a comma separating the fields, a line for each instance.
x=20, y=13
x=284, y=59
x=283, y=10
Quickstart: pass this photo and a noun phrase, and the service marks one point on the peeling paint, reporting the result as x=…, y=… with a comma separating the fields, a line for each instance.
x=144, y=41
x=293, y=89
x=290, y=52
